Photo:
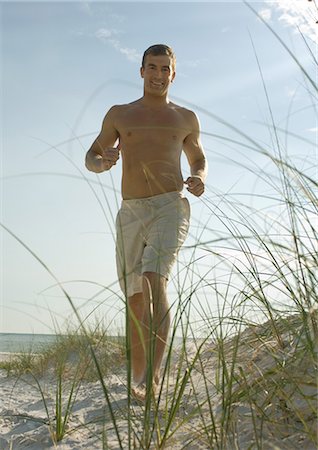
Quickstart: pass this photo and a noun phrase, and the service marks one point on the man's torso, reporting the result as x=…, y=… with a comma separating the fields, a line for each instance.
x=151, y=144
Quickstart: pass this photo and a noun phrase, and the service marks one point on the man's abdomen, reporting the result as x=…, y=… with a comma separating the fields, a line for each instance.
x=150, y=179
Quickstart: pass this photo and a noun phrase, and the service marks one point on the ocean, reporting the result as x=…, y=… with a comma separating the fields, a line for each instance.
x=22, y=342
x=34, y=343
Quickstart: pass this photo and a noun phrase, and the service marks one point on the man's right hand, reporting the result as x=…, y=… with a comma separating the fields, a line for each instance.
x=98, y=163
x=110, y=156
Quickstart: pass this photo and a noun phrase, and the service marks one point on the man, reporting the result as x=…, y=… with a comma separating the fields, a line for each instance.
x=153, y=220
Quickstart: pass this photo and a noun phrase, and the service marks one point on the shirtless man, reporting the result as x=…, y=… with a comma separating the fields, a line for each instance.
x=152, y=223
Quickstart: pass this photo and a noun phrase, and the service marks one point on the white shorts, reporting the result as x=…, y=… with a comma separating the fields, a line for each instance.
x=150, y=232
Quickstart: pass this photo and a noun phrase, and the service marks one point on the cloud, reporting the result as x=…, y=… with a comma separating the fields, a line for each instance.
x=109, y=36
x=130, y=53
x=265, y=14
x=103, y=34
x=313, y=130
x=298, y=14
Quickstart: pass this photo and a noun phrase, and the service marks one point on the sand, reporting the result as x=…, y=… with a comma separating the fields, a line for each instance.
x=24, y=423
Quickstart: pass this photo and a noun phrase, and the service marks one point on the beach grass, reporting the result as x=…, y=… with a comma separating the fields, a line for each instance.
x=69, y=351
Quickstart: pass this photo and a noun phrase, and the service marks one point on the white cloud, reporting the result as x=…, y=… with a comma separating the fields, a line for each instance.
x=265, y=14
x=299, y=14
x=104, y=34
x=313, y=130
x=108, y=36
x=130, y=53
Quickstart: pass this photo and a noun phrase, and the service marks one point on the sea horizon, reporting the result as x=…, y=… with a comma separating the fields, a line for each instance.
x=29, y=342
x=26, y=342
x=38, y=342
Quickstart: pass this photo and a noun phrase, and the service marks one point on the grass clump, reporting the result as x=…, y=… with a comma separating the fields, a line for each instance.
x=69, y=353
x=19, y=363
x=274, y=388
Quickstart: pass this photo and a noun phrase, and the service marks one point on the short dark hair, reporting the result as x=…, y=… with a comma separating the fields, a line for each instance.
x=160, y=49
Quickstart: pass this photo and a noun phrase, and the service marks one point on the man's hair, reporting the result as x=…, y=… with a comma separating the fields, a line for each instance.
x=158, y=50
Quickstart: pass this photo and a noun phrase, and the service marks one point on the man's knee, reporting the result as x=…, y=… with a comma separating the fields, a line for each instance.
x=136, y=303
x=135, y=299
x=154, y=281
x=154, y=276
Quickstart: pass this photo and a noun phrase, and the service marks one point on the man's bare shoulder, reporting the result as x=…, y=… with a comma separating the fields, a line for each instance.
x=182, y=110
x=188, y=115
x=118, y=109
x=116, y=113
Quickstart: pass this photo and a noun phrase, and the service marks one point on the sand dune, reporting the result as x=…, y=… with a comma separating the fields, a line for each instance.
x=24, y=422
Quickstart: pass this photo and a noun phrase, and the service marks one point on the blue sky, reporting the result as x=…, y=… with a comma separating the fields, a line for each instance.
x=64, y=65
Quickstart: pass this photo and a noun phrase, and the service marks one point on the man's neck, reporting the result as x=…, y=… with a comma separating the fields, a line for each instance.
x=154, y=101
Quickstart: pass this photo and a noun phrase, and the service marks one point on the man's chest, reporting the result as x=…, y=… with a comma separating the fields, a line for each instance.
x=162, y=127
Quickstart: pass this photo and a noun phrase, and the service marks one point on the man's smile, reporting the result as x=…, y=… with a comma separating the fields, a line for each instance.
x=156, y=83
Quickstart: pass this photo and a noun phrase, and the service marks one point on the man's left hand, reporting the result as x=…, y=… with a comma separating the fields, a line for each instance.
x=195, y=185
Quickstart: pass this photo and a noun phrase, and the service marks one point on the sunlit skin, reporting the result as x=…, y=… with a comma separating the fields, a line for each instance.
x=149, y=135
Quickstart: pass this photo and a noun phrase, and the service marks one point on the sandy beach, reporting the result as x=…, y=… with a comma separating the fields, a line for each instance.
x=24, y=422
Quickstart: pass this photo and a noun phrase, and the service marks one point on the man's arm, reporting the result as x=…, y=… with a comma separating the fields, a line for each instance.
x=193, y=149
x=102, y=155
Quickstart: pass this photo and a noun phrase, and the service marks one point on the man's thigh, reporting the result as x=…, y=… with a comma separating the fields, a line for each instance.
x=129, y=250
x=165, y=237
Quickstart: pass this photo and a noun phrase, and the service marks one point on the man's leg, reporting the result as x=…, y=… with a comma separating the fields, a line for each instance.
x=138, y=335
x=155, y=295
x=156, y=319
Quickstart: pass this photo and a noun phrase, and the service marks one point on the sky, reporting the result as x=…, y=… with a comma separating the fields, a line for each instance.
x=64, y=64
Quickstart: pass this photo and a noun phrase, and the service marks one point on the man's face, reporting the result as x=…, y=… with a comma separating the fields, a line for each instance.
x=158, y=73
